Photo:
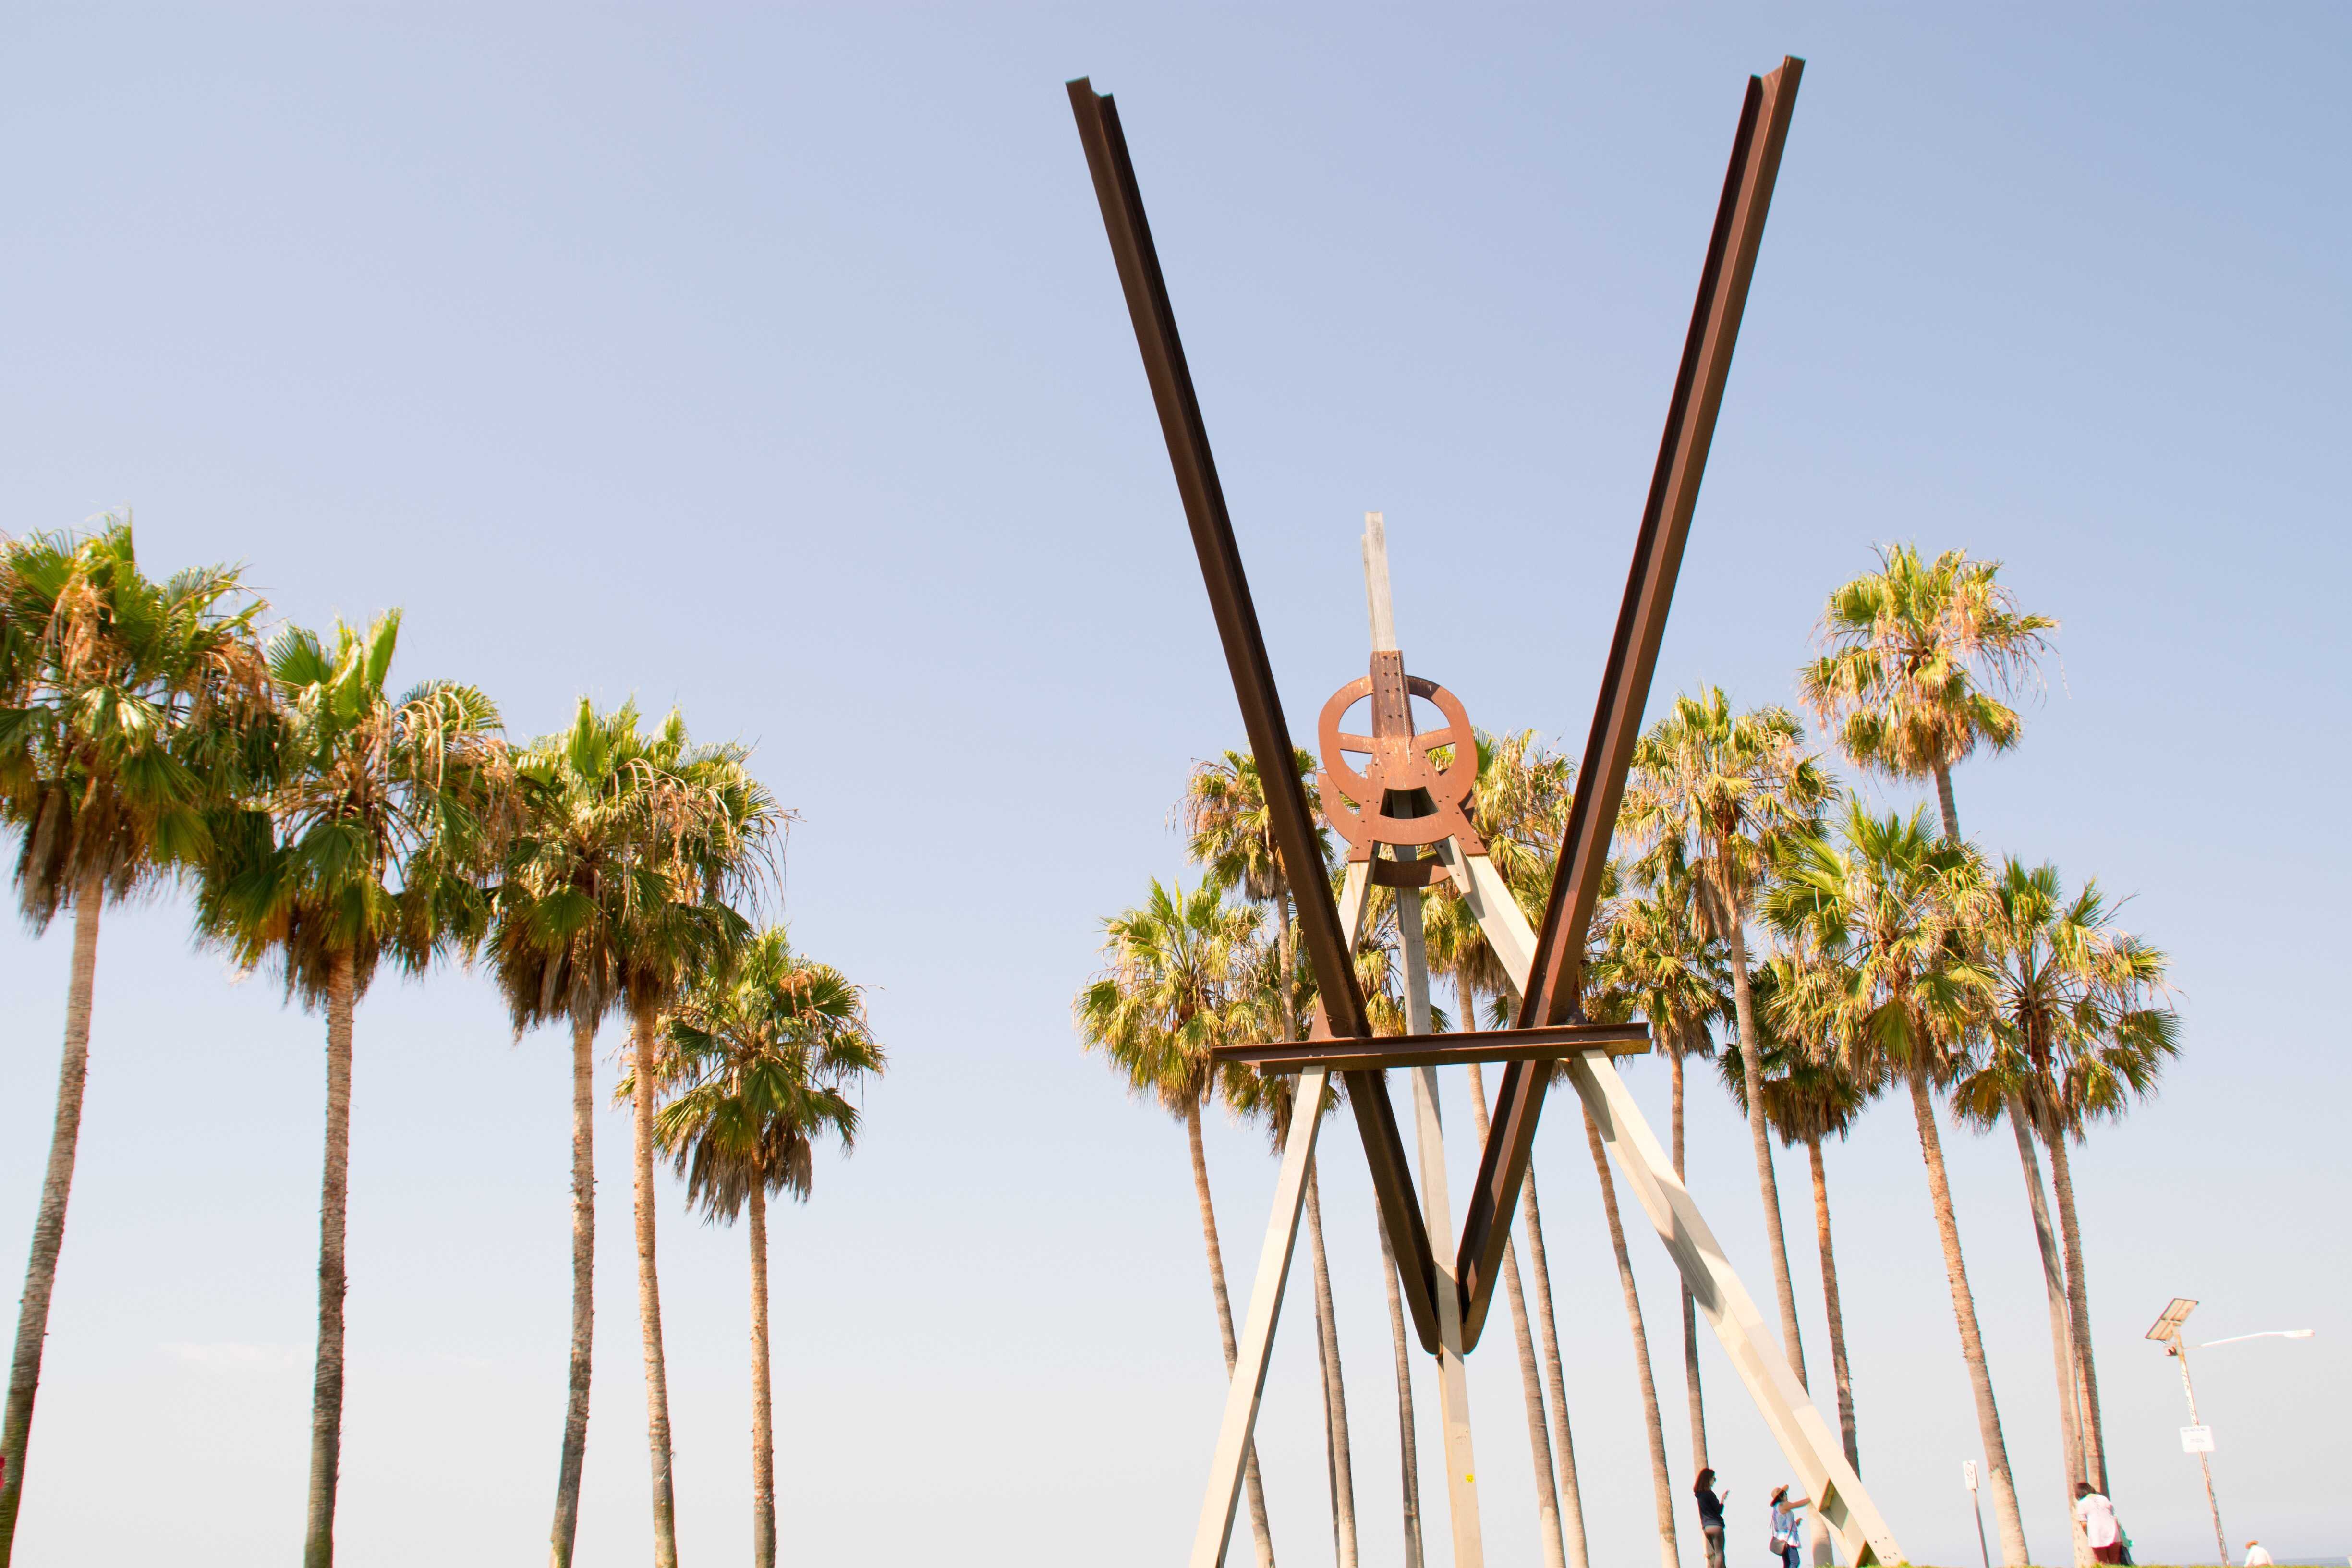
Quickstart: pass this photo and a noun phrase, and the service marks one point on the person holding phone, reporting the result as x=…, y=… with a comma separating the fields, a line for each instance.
x=1710, y=1515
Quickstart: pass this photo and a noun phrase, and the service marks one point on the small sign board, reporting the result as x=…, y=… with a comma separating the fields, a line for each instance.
x=2197, y=1439
x=1969, y=1473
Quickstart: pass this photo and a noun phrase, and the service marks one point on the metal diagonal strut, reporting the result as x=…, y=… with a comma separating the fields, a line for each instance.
x=1342, y=1005
x=1554, y=993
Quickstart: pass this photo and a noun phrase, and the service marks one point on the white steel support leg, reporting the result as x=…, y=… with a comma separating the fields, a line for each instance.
x=1437, y=1214
x=1812, y=1448
x=1215, y=1529
x=1217, y=1525
x=1806, y=1440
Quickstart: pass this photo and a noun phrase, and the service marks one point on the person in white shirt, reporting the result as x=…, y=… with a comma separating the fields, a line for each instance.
x=1787, y=1528
x=2099, y=1528
x=2255, y=1556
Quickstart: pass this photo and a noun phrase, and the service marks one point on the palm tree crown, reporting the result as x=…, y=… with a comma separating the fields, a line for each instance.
x=1886, y=913
x=1919, y=654
x=1228, y=831
x=759, y=1058
x=1717, y=792
x=383, y=813
x=2079, y=1029
x=122, y=701
x=1172, y=990
x=612, y=826
x=1658, y=963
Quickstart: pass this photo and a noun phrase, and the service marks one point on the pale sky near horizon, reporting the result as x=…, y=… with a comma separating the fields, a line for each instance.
x=772, y=363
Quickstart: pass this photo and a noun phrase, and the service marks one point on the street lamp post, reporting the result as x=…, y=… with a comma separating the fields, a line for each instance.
x=2167, y=1332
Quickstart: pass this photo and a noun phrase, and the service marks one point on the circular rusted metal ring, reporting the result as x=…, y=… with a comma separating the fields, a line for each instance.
x=1449, y=787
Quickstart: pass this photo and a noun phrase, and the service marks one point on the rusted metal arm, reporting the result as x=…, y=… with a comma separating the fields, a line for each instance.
x=1555, y=990
x=1261, y=703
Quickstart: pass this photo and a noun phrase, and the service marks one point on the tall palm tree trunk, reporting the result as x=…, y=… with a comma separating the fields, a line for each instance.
x=1690, y=1302
x=641, y=1047
x=1339, y=1455
x=583, y=1291
x=1964, y=1312
x=763, y=1408
x=1408, y=1451
x=1831, y=1303
x=2078, y=1303
x=1548, y=1531
x=1950, y=812
x=1563, y=1441
x=1256, y=1486
x=50, y=1221
x=334, y=1204
x=2054, y=1284
x=1759, y=1136
x=1669, y=1551
x=1836, y=1312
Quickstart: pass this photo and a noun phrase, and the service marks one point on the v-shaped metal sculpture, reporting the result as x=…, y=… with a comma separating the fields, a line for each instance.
x=1550, y=1026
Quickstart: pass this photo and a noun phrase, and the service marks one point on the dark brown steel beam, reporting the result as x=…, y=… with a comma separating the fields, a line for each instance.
x=1261, y=702
x=1442, y=1050
x=1555, y=989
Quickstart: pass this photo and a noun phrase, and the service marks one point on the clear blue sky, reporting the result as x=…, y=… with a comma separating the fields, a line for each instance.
x=773, y=364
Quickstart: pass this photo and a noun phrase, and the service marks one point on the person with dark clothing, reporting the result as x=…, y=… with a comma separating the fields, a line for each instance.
x=1710, y=1516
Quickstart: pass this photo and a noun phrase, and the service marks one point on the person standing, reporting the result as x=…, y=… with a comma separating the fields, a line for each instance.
x=1787, y=1534
x=2256, y=1557
x=2099, y=1528
x=1710, y=1515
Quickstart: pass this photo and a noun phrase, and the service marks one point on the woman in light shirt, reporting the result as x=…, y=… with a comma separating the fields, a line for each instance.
x=1786, y=1530
x=2099, y=1528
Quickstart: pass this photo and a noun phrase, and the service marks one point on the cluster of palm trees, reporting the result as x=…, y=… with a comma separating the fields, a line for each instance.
x=1819, y=952
x=329, y=827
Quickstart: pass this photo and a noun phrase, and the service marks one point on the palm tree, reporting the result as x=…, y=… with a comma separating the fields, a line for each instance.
x=2078, y=1031
x=1886, y=916
x=594, y=812
x=1658, y=964
x=122, y=701
x=1231, y=836
x=1456, y=947
x=1810, y=1097
x=758, y=1059
x=1408, y=1450
x=1919, y=654
x=1661, y=1489
x=1272, y=1099
x=1549, y=1528
x=379, y=822
x=1520, y=810
x=1163, y=1001
x=1711, y=795
x=714, y=828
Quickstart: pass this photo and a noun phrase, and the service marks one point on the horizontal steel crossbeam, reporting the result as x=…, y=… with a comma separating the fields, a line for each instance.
x=1481, y=1045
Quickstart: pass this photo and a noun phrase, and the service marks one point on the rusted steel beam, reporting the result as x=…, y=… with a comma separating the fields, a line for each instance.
x=1555, y=990
x=1442, y=1050
x=1269, y=735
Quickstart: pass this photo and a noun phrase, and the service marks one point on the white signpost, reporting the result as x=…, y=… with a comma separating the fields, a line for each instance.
x=2197, y=1439
x=1968, y=1475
